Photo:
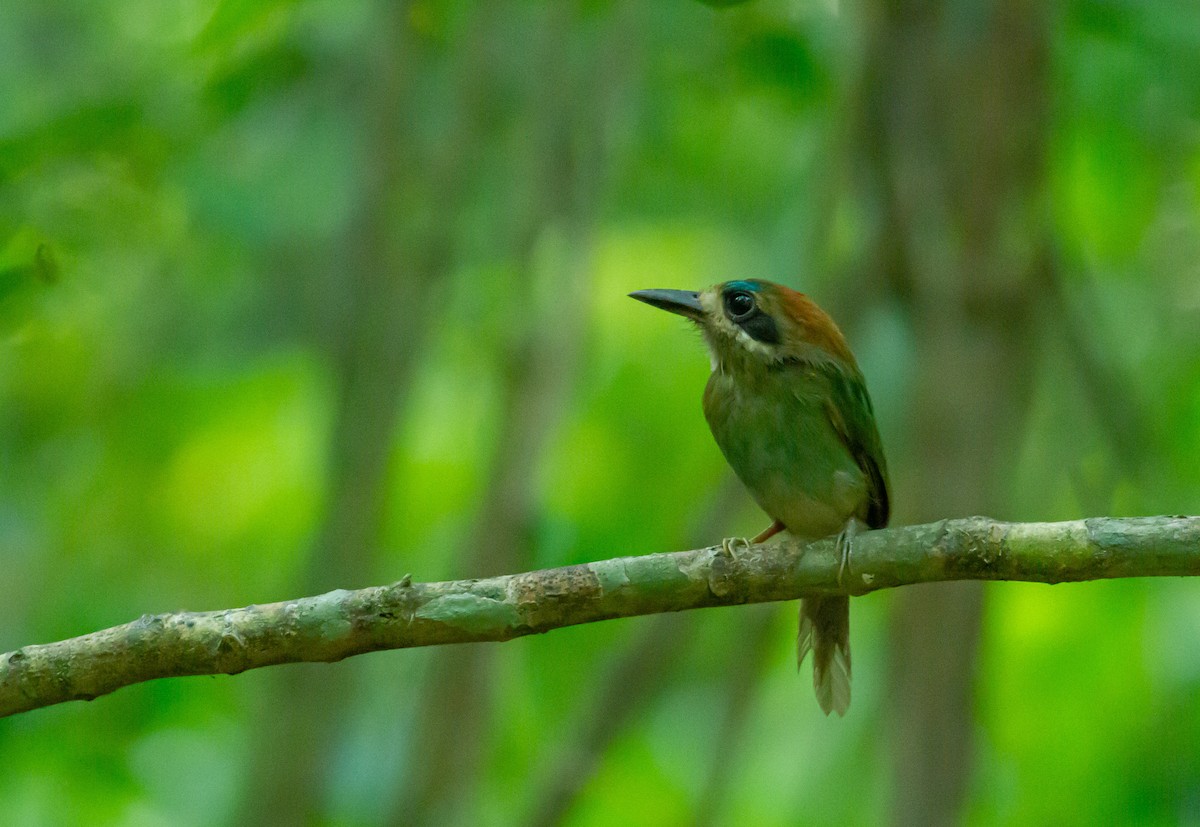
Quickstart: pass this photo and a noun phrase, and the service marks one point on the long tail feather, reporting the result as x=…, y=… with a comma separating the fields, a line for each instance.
x=825, y=630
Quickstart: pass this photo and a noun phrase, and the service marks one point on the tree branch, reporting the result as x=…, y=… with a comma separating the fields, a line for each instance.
x=336, y=625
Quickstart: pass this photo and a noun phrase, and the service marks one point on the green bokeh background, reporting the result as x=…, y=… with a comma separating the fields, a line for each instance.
x=305, y=295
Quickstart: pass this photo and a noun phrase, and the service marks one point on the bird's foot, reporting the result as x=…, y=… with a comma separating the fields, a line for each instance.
x=730, y=545
x=844, y=545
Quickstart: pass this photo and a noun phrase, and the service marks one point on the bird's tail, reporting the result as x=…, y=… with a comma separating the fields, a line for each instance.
x=825, y=629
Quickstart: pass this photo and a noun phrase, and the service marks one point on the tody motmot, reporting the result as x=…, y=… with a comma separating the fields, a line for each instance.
x=789, y=409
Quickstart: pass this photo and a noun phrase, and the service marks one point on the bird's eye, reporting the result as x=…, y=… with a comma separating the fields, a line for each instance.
x=739, y=304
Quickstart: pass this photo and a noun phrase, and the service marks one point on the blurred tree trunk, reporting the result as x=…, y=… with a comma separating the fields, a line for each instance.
x=300, y=724
x=565, y=110
x=389, y=262
x=955, y=108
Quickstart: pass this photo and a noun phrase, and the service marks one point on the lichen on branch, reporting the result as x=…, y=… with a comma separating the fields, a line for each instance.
x=336, y=625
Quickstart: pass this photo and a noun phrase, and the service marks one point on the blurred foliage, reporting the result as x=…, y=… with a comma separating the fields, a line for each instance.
x=177, y=185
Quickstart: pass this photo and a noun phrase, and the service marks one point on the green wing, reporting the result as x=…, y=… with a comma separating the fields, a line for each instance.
x=853, y=419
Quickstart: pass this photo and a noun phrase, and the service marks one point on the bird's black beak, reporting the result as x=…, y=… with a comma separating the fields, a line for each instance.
x=683, y=302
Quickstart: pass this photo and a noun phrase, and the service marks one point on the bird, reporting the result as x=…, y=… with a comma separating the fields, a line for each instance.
x=789, y=409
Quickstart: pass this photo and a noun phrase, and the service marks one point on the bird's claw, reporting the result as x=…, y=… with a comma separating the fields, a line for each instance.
x=844, y=545
x=730, y=544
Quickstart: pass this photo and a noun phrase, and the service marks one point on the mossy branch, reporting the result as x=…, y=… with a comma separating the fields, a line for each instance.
x=342, y=623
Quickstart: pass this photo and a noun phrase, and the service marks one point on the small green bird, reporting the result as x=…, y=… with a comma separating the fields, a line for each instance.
x=789, y=409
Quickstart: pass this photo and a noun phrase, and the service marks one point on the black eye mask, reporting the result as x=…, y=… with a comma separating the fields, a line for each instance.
x=743, y=311
x=761, y=328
